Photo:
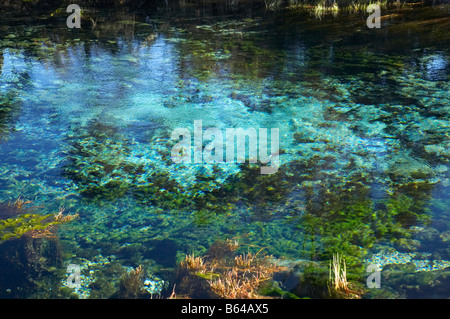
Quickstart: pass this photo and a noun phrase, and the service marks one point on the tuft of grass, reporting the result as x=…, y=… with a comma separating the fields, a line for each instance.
x=339, y=287
x=232, y=278
x=333, y=7
x=339, y=278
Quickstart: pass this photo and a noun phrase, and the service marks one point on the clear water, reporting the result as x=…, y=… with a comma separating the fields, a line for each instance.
x=364, y=124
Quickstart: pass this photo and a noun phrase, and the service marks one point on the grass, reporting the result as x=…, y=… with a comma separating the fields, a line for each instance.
x=326, y=7
x=323, y=8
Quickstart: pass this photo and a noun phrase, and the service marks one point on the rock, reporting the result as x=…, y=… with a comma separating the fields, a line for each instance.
x=445, y=237
x=429, y=285
x=426, y=235
x=407, y=167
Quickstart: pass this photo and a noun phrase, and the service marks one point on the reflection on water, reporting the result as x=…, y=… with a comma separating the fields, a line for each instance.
x=86, y=118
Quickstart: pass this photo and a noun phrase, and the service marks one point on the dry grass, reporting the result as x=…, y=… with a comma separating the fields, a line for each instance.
x=194, y=263
x=59, y=216
x=19, y=203
x=233, y=285
x=242, y=280
x=237, y=278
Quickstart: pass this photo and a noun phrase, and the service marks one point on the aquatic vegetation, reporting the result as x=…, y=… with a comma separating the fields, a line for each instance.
x=99, y=163
x=405, y=211
x=193, y=263
x=339, y=278
x=29, y=266
x=19, y=203
x=245, y=277
x=226, y=277
x=35, y=225
x=322, y=8
x=30, y=249
x=9, y=110
x=362, y=118
x=403, y=279
x=350, y=226
x=61, y=218
x=23, y=221
x=230, y=286
x=339, y=287
x=131, y=284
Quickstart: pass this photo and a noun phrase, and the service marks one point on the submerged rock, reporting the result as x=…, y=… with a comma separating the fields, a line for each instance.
x=304, y=278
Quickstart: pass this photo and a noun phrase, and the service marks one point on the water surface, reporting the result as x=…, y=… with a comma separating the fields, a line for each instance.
x=86, y=118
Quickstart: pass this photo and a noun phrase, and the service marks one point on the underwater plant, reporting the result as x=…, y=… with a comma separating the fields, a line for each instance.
x=19, y=203
x=338, y=286
x=193, y=263
x=9, y=110
x=350, y=223
x=131, y=284
x=30, y=249
x=35, y=225
x=230, y=278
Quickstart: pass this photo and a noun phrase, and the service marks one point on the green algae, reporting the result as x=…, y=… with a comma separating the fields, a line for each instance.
x=129, y=203
x=18, y=226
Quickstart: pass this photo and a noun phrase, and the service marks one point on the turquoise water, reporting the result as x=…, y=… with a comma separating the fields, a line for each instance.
x=363, y=118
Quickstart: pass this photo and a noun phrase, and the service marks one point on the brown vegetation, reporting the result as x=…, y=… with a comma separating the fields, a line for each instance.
x=339, y=287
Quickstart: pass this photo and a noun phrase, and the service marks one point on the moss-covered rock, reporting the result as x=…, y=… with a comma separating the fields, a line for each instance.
x=29, y=266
